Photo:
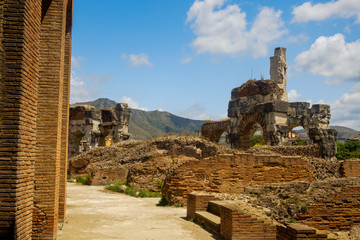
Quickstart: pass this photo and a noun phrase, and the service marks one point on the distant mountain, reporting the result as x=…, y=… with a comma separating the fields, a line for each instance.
x=343, y=132
x=150, y=124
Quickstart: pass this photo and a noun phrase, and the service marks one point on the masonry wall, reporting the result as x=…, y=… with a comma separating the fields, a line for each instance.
x=34, y=87
x=338, y=211
x=49, y=120
x=19, y=49
x=350, y=168
x=232, y=173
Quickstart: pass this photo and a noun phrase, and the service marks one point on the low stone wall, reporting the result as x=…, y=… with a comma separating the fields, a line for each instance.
x=232, y=173
x=312, y=150
x=336, y=212
x=350, y=168
x=299, y=231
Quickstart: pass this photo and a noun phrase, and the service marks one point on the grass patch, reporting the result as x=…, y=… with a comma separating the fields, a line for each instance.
x=83, y=180
x=133, y=192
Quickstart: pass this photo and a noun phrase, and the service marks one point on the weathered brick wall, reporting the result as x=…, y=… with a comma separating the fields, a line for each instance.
x=338, y=211
x=232, y=173
x=197, y=202
x=298, y=231
x=65, y=113
x=312, y=150
x=350, y=168
x=239, y=221
x=19, y=54
x=49, y=120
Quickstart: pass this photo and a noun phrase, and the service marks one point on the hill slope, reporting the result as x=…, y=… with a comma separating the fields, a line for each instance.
x=345, y=132
x=149, y=124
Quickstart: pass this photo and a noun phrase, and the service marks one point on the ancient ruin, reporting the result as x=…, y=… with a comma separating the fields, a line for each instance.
x=35, y=54
x=91, y=128
x=264, y=104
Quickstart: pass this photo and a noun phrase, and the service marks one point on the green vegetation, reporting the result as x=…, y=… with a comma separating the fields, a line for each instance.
x=83, y=180
x=134, y=192
x=292, y=220
x=348, y=150
x=163, y=202
x=299, y=142
x=257, y=141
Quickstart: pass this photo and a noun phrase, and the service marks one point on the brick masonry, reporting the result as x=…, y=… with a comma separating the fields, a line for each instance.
x=34, y=80
x=232, y=173
x=350, y=168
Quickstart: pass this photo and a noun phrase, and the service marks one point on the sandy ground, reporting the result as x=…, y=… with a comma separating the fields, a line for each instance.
x=95, y=213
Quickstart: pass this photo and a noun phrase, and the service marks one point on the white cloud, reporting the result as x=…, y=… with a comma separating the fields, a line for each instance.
x=137, y=60
x=293, y=95
x=321, y=11
x=223, y=30
x=198, y=112
x=79, y=92
x=132, y=103
x=346, y=109
x=76, y=61
x=186, y=60
x=332, y=58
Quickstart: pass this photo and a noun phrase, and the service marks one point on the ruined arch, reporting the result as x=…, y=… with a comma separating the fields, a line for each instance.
x=248, y=127
x=212, y=130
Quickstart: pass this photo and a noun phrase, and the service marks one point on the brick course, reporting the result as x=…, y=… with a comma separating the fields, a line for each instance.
x=232, y=173
x=26, y=133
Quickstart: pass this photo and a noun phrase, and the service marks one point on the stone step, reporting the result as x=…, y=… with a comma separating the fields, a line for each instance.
x=214, y=208
x=208, y=220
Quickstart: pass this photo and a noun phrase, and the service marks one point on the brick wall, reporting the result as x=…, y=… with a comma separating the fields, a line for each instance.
x=239, y=221
x=49, y=120
x=338, y=211
x=20, y=32
x=232, y=173
x=350, y=168
x=298, y=231
x=33, y=100
x=197, y=202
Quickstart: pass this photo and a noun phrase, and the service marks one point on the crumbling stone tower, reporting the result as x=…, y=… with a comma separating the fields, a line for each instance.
x=264, y=103
x=35, y=53
x=278, y=68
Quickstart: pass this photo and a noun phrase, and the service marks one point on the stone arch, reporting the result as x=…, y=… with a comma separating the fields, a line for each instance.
x=246, y=129
x=213, y=130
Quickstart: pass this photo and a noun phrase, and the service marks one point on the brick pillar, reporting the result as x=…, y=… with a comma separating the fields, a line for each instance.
x=197, y=201
x=19, y=71
x=49, y=119
x=65, y=114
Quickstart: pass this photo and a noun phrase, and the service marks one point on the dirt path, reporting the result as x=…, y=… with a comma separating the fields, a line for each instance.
x=95, y=213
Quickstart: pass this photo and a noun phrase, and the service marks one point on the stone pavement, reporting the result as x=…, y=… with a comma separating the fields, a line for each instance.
x=95, y=213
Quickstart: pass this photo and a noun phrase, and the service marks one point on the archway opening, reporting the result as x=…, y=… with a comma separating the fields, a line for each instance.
x=258, y=136
x=298, y=136
x=252, y=131
x=224, y=139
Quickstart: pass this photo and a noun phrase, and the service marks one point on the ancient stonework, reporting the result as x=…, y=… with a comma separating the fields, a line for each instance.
x=90, y=128
x=263, y=103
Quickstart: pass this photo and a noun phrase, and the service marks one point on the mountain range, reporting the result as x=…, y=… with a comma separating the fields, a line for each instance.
x=149, y=124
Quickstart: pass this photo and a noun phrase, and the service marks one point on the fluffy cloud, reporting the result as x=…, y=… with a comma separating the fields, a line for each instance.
x=76, y=61
x=321, y=11
x=332, y=58
x=346, y=110
x=137, y=60
x=132, y=103
x=223, y=30
x=293, y=95
x=79, y=92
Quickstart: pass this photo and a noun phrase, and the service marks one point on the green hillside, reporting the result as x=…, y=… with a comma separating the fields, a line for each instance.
x=149, y=124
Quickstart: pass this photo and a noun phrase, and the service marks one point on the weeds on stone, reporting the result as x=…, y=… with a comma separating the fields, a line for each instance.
x=163, y=202
x=113, y=187
x=292, y=220
x=83, y=180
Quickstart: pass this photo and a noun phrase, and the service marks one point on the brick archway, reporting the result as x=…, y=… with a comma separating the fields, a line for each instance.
x=246, y=129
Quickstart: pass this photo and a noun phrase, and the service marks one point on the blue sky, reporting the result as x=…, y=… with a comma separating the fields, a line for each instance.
x=185, y=56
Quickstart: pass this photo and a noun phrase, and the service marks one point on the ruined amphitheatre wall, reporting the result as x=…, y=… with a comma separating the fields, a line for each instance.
x=232, y=173
x=35, y=52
